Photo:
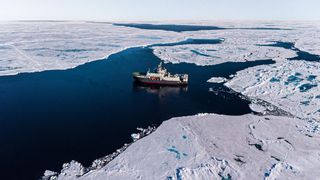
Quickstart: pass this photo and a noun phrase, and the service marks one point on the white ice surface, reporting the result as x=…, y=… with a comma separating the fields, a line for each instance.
x=258, y=108
x=237, y=47
x=39, y=46
x=241, y=45
x=217, y=80
x=212, y=146
x=282, y=85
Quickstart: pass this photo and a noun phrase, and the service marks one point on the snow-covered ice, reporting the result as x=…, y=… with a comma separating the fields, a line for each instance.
x=39, y=46
x=237, y=47
x=291, y=85
x=217, y=80
x=213, y=146
x=243, y=44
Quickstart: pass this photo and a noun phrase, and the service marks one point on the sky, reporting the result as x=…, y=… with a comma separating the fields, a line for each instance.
x=151, y=10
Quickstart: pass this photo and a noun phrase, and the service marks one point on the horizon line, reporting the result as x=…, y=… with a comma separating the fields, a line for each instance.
x=171, y=20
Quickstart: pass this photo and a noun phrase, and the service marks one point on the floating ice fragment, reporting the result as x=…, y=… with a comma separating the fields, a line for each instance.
x=217, y=80
x=49, y=175
x=202, y=114
x=135, y=136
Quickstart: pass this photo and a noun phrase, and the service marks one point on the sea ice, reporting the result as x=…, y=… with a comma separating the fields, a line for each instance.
x=286, y=84
x=217, y=80
x=218, y=146
x=39, y=46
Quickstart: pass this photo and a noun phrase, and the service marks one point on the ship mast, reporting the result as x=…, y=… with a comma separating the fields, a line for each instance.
x=161, y=69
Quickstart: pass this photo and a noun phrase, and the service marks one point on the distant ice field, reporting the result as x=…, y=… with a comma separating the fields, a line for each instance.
x=39, y=46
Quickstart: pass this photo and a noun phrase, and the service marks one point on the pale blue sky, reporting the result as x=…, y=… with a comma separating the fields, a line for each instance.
x=111, y=10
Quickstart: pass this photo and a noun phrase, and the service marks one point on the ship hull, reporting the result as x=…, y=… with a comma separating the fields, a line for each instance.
x=145, y=80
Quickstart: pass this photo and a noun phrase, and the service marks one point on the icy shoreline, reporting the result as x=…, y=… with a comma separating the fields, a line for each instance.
x=100, y=162
x=199, y=147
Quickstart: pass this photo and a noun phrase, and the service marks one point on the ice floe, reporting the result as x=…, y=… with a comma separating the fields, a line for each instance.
x=243, y=44
x=39, y=46
x=212, y=147
x=227, y=51
x=217, y=80
x=238, y=46
x=291, y=85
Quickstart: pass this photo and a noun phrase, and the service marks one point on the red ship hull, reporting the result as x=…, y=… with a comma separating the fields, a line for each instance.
x=159, y=82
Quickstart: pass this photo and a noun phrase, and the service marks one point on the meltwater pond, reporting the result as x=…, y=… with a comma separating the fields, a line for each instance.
x=52, y=117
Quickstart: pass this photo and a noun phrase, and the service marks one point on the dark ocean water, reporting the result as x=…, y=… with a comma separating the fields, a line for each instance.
x=182, y=27
x=191, y=41
x=52, y=117
x=170, y=27
x=301, y=55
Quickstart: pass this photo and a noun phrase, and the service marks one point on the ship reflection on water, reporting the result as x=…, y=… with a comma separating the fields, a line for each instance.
x=159, y=90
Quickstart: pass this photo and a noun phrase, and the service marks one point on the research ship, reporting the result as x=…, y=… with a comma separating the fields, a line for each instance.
x=160, y=76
